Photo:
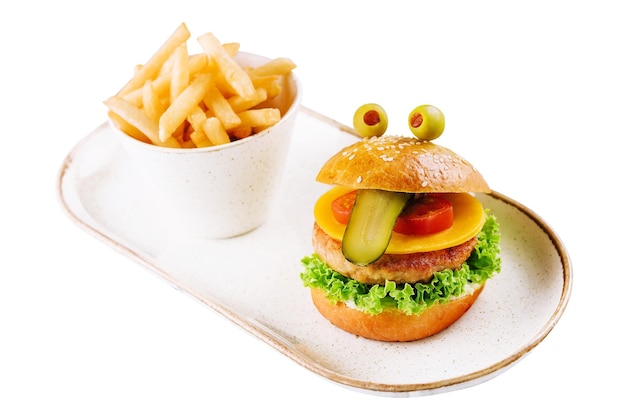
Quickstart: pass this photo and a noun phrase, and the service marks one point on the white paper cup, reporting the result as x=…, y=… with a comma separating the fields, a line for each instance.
x=225, y=190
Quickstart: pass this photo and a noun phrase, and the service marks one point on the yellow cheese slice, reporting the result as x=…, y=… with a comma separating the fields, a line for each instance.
x=469, y=218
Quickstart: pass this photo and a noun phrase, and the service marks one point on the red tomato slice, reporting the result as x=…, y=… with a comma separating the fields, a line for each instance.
x=425, y=214
x=342, y=207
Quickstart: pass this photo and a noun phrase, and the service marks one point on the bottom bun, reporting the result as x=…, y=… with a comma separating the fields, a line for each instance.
x=394, y=325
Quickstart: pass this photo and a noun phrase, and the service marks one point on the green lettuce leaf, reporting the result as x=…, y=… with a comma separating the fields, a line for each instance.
x=482, y=264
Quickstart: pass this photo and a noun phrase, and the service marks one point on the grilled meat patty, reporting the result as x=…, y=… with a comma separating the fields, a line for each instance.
x=399, y=268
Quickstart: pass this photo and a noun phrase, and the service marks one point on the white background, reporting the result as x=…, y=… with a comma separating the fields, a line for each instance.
x=533, y=92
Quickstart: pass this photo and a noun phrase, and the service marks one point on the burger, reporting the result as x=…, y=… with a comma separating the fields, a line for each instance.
x=402, y=246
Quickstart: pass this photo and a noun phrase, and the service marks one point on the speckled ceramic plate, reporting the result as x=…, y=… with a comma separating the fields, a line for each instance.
x=262, y=292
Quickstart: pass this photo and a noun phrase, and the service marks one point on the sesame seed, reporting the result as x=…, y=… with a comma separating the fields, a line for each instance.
x=359, y=179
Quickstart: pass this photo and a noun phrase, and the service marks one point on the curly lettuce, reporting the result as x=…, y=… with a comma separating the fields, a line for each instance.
x=482, y=264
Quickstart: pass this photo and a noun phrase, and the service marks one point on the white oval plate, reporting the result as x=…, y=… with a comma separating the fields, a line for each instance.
x=262, y=292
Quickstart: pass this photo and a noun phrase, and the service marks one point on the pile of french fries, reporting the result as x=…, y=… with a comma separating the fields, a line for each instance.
x=181, y=100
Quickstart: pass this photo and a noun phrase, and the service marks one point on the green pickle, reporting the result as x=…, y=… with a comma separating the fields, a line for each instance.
x=371, y=223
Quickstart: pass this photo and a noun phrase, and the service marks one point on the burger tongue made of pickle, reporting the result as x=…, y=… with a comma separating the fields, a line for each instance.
x=375, y=211
x=371, y=224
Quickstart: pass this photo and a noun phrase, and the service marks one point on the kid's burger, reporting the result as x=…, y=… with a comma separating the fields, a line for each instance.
x=402, y=248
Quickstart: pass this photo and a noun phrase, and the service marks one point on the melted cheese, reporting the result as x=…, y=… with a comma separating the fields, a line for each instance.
x=469, y=218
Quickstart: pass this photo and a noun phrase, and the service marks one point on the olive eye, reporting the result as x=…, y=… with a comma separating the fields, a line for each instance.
x=427, y=122
x=370, y=119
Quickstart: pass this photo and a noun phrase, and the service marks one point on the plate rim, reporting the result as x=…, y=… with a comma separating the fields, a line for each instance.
x=273, y=339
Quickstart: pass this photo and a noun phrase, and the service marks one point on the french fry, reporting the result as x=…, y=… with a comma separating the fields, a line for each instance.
x=166, y=68
x=215, y=132
x=151, y=68
x=176, y=114
x=272, y=84
x=220, y=108
x=171, y=143
x=134, y=116
x=234, y=75
x=198, y=63
x=161, y=85
x=139, y=120
x=196, y=119
x=180, y=72
x=241, y=132
x=259, y=117
x=152, y=103
x=199, y=139
x=127, y=128
x=238, y=103
x=231, y=48
x=277, y=66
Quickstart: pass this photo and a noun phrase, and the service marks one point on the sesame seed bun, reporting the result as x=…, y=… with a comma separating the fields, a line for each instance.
x=402, y=164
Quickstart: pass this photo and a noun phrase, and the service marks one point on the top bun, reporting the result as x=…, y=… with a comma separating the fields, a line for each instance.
x=402, y=164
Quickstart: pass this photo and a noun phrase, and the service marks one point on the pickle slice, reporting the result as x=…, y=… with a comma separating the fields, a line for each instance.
x=371, y=223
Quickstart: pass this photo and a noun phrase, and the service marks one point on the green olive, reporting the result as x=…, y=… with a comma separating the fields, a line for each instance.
x=370, y=119
x=427, y=122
